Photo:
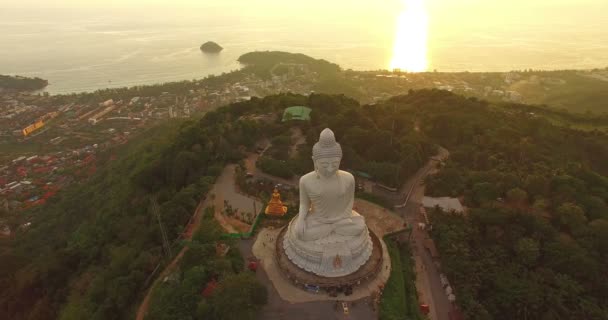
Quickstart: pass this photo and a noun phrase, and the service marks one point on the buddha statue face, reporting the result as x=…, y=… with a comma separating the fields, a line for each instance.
x=326, y=154
x=327, y=167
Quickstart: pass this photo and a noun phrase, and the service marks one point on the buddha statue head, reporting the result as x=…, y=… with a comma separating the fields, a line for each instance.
x=326, y=154
x=276, y=195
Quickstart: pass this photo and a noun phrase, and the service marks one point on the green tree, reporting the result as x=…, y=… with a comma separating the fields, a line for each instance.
x=599, y=229
x=537, y=185
x=172, y=301
x=570, y=217
x=484, y=192
x=528, y=251
x=204, y=310
x=238, y=297
x=595, y=207
x=540, y=204
x=517, y=196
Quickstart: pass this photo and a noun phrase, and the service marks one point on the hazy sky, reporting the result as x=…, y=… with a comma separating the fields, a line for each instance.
x=262, y=6
x=443, y=14
x=253, y=4
x=198, y=3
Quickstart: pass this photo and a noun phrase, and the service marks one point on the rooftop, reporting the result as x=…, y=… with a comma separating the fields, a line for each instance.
x=296, y=113
x=445, y=203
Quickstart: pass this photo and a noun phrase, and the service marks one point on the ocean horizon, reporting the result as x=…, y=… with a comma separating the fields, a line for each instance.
x=81, y=52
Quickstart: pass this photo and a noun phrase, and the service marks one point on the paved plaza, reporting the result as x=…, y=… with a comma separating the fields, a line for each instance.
x=378, y=219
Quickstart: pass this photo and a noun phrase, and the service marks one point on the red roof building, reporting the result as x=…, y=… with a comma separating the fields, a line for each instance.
x=252, y=265
x=43, y=170
x=22, y=171
x=209, y=289
x=48, y=195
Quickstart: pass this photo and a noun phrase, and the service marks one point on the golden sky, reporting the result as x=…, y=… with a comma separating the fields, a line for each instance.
x=348, y=11
x=382, y=21
x=262, y=4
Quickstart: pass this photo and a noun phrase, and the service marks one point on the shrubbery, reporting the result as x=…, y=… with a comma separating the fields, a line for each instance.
x=238, y=294
x=400, y=299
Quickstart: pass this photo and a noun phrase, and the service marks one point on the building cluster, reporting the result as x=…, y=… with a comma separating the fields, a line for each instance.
x=599, y=74
x=501, y=91
x=64, y=125
x=26, y=182
x=18, y=111
x=513, y=86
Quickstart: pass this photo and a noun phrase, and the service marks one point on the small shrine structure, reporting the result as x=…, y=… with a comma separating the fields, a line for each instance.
x=275, y=205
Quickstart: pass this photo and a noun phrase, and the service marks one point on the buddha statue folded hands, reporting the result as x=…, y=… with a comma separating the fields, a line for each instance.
x=327, y=237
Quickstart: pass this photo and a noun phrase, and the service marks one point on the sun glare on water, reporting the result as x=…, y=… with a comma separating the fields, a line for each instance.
x=410, y=48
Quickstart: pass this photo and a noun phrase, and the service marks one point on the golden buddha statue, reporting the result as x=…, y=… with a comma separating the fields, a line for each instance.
x=275, y=205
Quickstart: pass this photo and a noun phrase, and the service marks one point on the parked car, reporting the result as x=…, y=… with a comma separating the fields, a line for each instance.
x=312, y=288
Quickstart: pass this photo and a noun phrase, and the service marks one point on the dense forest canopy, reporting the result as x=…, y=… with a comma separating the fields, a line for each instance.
x=533, y=245
x=378, y=140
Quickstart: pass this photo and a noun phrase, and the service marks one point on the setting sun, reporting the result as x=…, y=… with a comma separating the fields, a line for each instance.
x=410, y=49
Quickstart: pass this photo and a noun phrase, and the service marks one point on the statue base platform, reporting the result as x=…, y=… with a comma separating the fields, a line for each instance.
x=310, y=281
x=334, y=255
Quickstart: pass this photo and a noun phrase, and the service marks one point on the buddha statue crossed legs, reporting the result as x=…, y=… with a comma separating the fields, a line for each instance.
x=326, y=230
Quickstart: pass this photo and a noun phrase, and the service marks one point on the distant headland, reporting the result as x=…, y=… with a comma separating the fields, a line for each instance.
x=21, y=83
x=211, y=47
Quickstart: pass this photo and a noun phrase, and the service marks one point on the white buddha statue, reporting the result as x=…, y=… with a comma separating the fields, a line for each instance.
x=327, y=237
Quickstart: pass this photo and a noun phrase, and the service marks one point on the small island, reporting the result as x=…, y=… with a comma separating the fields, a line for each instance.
x=211, y=47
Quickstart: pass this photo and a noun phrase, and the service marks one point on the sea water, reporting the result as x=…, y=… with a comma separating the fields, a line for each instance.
x=85, y=49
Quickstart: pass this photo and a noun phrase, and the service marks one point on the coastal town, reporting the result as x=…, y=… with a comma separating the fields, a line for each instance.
x=52, y=141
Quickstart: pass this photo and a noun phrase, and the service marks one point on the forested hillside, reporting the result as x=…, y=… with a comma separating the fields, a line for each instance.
x=533, y=246
x=88, y=254
x=22, y=83
x=378, y=140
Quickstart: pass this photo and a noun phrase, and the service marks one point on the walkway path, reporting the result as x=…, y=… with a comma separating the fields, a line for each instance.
x=377, y=219
x=280, y=309
x=225, y=189
x=196, y=220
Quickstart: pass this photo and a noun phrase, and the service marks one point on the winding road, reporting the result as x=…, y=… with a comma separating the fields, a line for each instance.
x=428, y=282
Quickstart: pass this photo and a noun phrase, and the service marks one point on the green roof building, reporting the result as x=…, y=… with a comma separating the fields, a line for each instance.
x=296, y=113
